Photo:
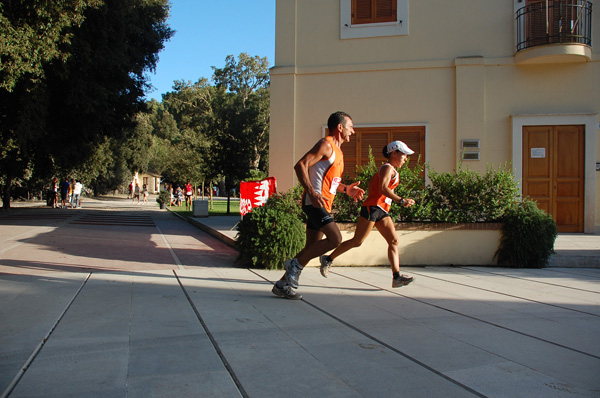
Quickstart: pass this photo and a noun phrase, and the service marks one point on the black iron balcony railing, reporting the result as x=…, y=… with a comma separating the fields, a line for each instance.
x=554, y=21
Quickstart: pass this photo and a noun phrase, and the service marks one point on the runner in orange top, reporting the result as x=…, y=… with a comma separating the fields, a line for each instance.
x=320, y=171
x=375, y=212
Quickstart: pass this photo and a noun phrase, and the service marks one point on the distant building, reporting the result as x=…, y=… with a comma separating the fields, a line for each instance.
x=151, y=179
x=480, y=82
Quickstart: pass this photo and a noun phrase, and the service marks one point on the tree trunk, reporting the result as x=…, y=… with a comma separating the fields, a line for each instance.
x=6, y=193
x=228, y=189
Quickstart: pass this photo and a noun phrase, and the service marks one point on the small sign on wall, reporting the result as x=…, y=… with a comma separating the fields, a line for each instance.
x=538, y=153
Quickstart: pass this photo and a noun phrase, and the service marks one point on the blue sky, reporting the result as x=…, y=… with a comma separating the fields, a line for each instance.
x=206, y=32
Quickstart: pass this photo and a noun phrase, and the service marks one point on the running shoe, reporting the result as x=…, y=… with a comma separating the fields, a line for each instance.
x=325, y=265
x=403, y=280
x=292, y=272
x=286, y=292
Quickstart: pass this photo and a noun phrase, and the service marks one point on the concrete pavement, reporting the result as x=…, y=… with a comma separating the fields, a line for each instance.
x=121, y=300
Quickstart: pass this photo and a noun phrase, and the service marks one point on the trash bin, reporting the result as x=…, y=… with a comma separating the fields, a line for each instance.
x=200, y=208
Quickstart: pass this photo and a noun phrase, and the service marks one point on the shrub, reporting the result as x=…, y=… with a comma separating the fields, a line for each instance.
x=466, y=196
x=412, y=184
x=273, y=233
x=528, y=236
x=164, y=197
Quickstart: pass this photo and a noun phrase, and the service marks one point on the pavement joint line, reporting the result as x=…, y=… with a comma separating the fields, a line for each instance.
x=479, y=319
x=41, y=345
x=383, y=343
x=212, y=339
x=173, y=254
x=534, y=281
x=512, y=295
x=397, y=351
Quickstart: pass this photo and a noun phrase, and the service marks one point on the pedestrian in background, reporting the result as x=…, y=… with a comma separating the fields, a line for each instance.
x=189, y=191
x=77, y=194
x=54, y=192
x=145, y=193
x=136, y=193
x=64, y=192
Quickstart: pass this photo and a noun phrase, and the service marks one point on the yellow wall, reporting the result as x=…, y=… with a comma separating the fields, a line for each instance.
x=455, y=72
x=424, y=248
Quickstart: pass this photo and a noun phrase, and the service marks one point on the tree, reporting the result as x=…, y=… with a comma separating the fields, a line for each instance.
x=240, y=123
x=87, y=93
x=35, y=33
x=137, y=147
x=182, y=123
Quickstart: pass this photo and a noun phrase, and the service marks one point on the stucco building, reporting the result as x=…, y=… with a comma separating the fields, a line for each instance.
x=480, y=82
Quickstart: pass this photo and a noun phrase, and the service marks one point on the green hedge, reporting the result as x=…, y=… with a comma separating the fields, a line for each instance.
x=460, y=197
x=273, y=233
x=528, y=236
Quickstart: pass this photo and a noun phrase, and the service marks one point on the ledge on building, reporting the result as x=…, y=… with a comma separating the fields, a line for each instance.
x=554, y=53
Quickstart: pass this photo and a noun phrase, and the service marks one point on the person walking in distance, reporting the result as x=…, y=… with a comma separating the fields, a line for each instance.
x=77, y=194
x=136, y=193
x=64, y=192
x=375, y=212
x=319, y=172
x=145, y=193
x=188, y=195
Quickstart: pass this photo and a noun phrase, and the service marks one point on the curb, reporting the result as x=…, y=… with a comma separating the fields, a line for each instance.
x=211, y=231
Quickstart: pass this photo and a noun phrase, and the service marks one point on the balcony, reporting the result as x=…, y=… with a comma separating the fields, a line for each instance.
x=553, y=31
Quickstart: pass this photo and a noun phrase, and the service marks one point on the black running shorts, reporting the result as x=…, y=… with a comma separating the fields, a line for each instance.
x=317, y=218
x=373, y=213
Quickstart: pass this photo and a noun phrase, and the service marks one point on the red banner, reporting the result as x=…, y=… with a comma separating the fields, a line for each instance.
x=256, y=193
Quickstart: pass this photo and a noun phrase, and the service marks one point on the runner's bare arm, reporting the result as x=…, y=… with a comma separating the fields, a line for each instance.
x=385, y=175
x=352, y=190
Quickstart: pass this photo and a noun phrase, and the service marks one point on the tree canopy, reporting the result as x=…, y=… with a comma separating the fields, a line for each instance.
x=75, y=86
x=240, y=124
x=205, y=132
x=72, y=79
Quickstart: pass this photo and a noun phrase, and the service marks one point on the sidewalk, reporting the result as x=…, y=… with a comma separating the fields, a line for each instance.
x=121, y=300
x=571, y=250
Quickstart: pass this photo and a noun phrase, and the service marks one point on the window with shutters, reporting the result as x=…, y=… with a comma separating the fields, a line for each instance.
x=356, y=152
x=373, y=18
x=373, y=11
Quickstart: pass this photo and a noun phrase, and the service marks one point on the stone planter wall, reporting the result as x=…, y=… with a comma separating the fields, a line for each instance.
x=426, y=244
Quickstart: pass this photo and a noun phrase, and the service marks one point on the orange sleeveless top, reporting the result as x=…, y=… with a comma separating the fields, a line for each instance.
x=325, y=175
x=376, y=198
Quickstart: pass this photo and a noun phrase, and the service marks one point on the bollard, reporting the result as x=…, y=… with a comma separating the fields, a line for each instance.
x=200, y=208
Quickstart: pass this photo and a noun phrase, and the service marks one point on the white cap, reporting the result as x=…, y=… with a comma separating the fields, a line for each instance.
x=399, y=146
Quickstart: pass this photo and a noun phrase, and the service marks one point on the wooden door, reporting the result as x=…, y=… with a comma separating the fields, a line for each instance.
x=553, y=172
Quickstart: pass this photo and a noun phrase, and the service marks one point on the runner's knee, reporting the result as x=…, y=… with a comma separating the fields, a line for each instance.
x=357, y=243
x=335, y=241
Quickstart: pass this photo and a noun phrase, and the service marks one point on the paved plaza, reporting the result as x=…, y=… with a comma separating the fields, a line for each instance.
x=123, y=300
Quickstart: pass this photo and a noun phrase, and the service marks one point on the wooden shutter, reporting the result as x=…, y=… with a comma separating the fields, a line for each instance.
x=561, y=21
x=536, y=23
x=374, y=11
x=356, y=152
